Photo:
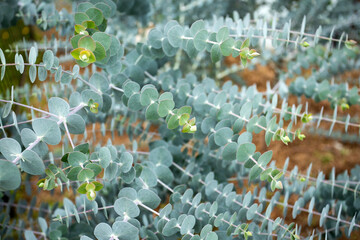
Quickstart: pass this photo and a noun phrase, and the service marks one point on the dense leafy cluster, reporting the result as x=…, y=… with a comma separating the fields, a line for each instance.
x=162, y=86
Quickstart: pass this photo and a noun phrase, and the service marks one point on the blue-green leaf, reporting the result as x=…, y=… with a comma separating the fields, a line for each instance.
x=126, y=161
x=48, y=59
x=31, y=163
x=149, y=198
x=9, y=148
x=125, y=231
x=187, y=225
x=32, y=55
x=174, y=35
x=11, y=178
x=58, y=106
x=48, y=130
x=161, y=156
x=223, y=136
x=245, y=151
x=126, y=208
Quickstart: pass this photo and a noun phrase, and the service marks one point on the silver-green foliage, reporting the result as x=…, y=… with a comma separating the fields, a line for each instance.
x=181, y=187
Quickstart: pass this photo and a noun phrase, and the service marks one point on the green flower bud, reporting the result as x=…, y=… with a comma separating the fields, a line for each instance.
x=85, y=55
x=305, y=44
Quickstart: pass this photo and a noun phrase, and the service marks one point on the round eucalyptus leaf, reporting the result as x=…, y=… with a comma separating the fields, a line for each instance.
x=126, y=207
x=90, y=94
x=229, y=151
x=73, y=173
x=187, y=225
x=32, y=55
x=246, y=109
x=164, y=174
x=200, y=40
x=75, y=71
x=95, y=167
x=245, y=137
x=173, y=122
x=126, y=161
x=6, y=109
x=10, y=148
x=105, y=157
x=128, y=192
x=130, y=88
x=168, y=49
x=2, y=57
x=28, y=136
x=99, y=81
x=208, y=124
x=31, y=163
x=77, y=158
x=80, y=17
x=110, y=171
x=152, y=112
x=222, y=34
x=42, y=73
x=165, y=106
x=125, y=231
x=129, y=176
x=95, y=15
x=251, y=212
x=107, y=102
x=66, y=79
x=134, y=102
x=245, y=151
x=103, y=231
x=190, y=49
x=148, y=95
x=215, y=53
x=58, y=74
x=82, y=7
x=21, y=64
x=227, y=47
x=32, y=73
x=223, y=136
x=162, y=156
x=11, y=178
x=265, y=158
x=212, y=236
x=58, y=106
x=48, y=130
x=75, y=124
x=247, y=199
x=105, y=9
x=170, y=228
x=102, y=38
x=85, y=174
x=205, y=230
x=196, y=27
x=174, y=35
x=48, y=59
x=148, y=177
x=149, y=198
x=154, y=38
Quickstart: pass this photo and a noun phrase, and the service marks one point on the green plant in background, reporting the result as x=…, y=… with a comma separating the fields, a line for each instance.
x=127, y=78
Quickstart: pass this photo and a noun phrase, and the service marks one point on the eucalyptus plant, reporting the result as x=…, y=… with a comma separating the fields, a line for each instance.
x=144, y=71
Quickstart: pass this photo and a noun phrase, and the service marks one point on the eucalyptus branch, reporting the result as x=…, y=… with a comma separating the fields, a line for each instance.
x=33, y=144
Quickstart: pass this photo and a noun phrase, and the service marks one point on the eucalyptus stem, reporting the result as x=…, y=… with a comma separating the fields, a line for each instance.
x=33, y=144
x=30, y=107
